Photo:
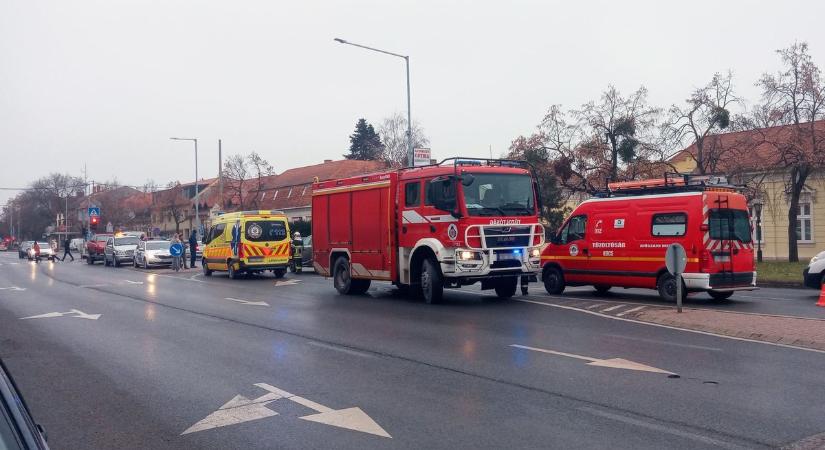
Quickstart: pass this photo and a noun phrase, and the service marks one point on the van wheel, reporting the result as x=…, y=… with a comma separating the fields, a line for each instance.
x=207, y=272
x=279, y=273
x=506, y=287
x=432, y=284
x=553, y=281
x=719, y=296
x=233, y=273
x=602, y=290
x=666, y=284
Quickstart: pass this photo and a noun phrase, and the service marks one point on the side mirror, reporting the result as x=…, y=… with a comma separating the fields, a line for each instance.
x=468, y=179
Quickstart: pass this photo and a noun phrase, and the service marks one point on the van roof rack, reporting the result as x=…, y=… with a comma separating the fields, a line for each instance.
x=471, y=161
x=669, y=183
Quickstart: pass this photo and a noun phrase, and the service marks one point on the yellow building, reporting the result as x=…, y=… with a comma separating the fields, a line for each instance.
x=752, y=158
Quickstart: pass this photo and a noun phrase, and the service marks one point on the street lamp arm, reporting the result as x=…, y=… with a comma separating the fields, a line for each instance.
x=370, y=48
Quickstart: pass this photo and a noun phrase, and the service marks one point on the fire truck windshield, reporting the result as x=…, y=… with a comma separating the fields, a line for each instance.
x=499, y=194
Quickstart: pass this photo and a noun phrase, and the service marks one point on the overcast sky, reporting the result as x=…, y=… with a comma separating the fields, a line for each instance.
x=106, y=83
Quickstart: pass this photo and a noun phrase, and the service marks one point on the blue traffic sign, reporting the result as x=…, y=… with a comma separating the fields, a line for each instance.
x=176, y=249
x=94, y=211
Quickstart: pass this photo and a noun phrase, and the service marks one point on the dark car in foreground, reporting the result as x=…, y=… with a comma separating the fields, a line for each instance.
x=18, y=431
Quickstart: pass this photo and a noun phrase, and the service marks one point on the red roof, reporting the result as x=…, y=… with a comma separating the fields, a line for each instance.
x=759, y=149
x=293, y=187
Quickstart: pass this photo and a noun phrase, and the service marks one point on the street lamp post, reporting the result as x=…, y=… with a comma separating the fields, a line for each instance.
x=197, y=200
x=410, y=155
x=757, y=206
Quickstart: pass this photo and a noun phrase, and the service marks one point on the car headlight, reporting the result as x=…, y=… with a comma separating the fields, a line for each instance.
x=468, y=255
x=535, y=253
x=814, y=259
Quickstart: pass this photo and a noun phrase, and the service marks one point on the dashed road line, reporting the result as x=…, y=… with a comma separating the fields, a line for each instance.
x=638, y=308
x=613, y=307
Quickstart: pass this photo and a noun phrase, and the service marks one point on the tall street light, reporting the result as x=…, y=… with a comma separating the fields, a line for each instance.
x=409, y=120
x=757, y=206
x=197, y=200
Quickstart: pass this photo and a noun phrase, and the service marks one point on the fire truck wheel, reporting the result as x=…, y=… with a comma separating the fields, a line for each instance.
x=719, y=296
x=602, y=290
x=553, y=281
x=341, y=276
x=432, y=285
x=666, y=285
x=506, y=287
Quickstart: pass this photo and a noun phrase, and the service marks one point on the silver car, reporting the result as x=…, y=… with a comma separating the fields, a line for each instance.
x=152, y=253
x=119, y=249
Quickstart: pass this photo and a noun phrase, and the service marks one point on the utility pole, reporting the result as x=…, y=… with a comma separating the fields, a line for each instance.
x=220, y=175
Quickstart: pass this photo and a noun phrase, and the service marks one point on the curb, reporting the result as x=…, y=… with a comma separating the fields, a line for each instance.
x=781, y=284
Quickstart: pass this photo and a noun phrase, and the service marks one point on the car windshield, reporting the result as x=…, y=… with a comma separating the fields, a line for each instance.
x=497, y=194
x=729, y=224
x=128, y=240
x=158, y=245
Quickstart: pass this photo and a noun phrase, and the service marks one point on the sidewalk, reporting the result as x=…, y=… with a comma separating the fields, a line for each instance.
x=798, y=332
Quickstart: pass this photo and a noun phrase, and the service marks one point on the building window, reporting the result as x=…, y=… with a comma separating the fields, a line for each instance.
x=305, y=190
x=804, y=229
x=274, y=196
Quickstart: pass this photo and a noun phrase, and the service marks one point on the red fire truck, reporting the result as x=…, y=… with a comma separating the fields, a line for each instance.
x=619, y=238
x=428, y=228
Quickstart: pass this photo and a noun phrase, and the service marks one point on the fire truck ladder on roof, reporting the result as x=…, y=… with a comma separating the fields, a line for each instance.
x=725, y=245
x=671, y=182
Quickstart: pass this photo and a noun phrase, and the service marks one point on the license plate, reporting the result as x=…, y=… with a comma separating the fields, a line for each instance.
x=255, y=258
x=507, y=256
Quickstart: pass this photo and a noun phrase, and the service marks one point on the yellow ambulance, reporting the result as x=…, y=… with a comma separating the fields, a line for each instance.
x=247, y=242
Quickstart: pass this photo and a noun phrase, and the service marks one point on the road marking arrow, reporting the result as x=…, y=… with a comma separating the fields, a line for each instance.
x=242, y=409
x=246, y=302
x=12, y=288
x=286, y=282
x=72, y=313
x=615, y=363
x=349, y=418
x=133, y=282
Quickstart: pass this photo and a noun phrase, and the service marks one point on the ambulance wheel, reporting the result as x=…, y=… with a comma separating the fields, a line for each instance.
x=719, y=296
x=279, y=273
x=432, y=284
x=207, y=272
x=666, y=284
x=553, y=281
x=233, y=273
x=506, y=287
x=602, y=290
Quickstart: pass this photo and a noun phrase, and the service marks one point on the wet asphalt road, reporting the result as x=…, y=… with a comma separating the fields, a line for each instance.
x=170, y=349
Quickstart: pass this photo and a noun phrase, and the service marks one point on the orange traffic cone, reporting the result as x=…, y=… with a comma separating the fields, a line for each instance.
x=821, y=301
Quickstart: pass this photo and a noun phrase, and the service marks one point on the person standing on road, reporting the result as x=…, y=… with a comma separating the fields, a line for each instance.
x=53, y=245
x=67, y=249
x=36, y=251
x=183, y=253
x=193, y=248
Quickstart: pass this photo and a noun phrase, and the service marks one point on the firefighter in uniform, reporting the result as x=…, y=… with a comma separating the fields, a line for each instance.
x=297, y=250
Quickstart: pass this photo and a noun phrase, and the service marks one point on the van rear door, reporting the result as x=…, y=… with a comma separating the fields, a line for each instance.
x=730, y=242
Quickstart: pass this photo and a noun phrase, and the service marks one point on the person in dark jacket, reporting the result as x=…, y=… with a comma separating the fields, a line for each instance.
x=193, y=247
x=67, y=250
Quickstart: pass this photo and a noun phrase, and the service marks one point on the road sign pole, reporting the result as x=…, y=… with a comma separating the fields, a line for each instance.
x=676, y=260
x=679, y=292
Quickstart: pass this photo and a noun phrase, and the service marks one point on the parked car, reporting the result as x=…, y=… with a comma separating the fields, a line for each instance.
x=95, y=246
x=77, y=244
x=18, y=430
x=23, y=249
x=814, y=275
x=152, y=253
x=119, y=249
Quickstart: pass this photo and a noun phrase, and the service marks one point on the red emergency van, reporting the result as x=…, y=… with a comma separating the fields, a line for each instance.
x=455, y=223
x=619, y=239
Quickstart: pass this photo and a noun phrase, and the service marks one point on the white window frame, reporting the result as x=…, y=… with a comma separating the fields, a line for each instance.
x=752, y=214
x=802, y=217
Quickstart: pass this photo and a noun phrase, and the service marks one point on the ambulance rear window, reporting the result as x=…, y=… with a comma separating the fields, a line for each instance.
x=670, y=224
x=263, y=231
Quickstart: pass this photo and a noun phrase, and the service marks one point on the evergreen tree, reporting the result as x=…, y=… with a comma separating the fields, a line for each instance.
x=365, y=144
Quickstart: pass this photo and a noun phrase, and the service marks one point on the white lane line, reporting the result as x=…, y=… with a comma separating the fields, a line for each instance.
x=638, y=308
x=686, y=330
x=593, y=306
x=553, y=352
x=660, y=342
x=340, y=349
x=613, y=307
x=133, y=282
x=247, y=302
x=661, y=428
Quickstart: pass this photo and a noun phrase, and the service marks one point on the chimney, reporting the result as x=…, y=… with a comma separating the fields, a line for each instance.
x=327, y=161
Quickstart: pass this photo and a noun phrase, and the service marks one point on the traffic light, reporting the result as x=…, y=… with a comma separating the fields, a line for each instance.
x=93, y=222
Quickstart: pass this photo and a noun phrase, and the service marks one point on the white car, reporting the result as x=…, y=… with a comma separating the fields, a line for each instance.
x=814, y=274
x=152, y=253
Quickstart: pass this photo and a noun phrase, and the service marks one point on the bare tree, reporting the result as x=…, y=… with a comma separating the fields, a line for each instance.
x=618, y=125
x=171, y=203
x=245, y=177
x=795, y=96
x=705, y=112
x=393, y=132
